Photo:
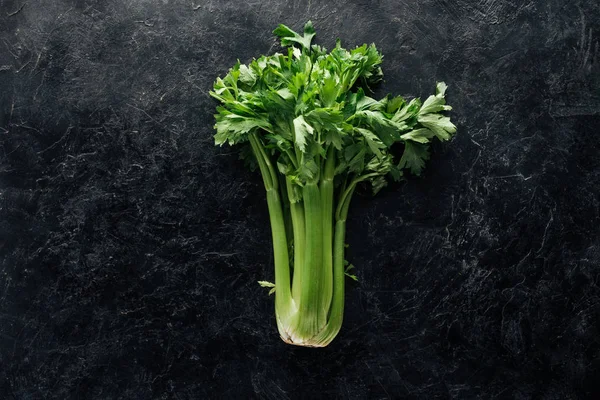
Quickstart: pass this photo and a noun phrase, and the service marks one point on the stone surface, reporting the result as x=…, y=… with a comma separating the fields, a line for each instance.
x=131, y=246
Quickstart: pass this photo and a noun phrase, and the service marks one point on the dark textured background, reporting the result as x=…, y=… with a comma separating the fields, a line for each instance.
x=131, y=246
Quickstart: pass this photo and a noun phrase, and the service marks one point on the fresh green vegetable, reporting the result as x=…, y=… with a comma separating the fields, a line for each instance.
x=303, y=118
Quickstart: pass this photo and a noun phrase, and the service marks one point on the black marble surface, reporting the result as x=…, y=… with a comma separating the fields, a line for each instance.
x=131, y=246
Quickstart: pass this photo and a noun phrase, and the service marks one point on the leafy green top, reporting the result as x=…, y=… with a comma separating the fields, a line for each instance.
x=303, y=102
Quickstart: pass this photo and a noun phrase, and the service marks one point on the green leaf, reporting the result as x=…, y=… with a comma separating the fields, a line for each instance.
x=421, y=135
x=414, y=157
x=439, y=124
x=364, y=64
x=268, y=285
x=365, y=102
x=372, y=141
x=386, y=129
x=308, y=170
x=297, y=83
x=329, y=90
x=247, y=76
x=355, y=157
x=394, y=104
x=440, y=89
x=436, y=103
x=279, y=142
x=233, y=128
x=349, y=105
x=347, y=271
x=334, y=138
x=289, y=37
x=377, y=184
x=380, y=165
x=325, y=119
x=284, y=167
x=302, y=131
x=396, y=173
x=285, y=94
x=407, y=111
